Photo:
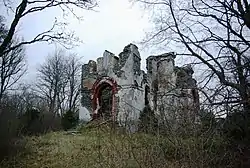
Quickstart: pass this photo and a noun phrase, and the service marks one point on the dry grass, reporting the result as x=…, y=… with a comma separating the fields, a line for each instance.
x=90, y=148
x=101, y=147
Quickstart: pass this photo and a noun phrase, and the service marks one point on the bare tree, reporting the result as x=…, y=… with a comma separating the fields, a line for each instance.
x=74, y=83
x=12, y=65
x=59, y=81
x=52, y=80
x=27, y=98
x=27, y=7
x=216, y=34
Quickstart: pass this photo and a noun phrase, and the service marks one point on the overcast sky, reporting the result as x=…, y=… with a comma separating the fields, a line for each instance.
x=113, y=25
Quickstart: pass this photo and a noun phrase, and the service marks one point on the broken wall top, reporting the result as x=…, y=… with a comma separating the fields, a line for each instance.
x=109, y=63
x=162, y=69
x=127, y=65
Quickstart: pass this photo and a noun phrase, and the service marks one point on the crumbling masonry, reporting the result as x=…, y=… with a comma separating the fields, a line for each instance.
x=114, y=87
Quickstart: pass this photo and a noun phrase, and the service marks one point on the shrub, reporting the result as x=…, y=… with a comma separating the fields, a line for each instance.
x=234, y=126
x=51, y=122
x=148, y=122
x=69, y=120
x=35, y=122
x=9, y=129
x=31, y=122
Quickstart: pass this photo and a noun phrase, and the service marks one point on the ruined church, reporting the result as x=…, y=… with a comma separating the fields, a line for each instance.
x=115, y=87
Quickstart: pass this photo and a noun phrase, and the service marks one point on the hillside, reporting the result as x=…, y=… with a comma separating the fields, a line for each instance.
x=102, y=147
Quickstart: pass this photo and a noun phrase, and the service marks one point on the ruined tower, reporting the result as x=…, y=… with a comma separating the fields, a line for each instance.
x=173, y=91
x=115, y=87
x=120, y=79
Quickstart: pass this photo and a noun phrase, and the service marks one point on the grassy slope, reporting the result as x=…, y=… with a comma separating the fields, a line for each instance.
x=102, y=147
x=91, y=148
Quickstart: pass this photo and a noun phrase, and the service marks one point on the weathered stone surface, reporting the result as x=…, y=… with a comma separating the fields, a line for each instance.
x=86, y=99
x=167, y=89
x=184, y=77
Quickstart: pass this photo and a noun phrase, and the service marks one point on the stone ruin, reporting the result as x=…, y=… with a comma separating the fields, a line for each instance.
x=115, y=87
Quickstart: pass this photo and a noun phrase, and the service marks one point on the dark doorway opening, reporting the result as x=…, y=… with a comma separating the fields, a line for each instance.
x=105, y=101
x=104, y=104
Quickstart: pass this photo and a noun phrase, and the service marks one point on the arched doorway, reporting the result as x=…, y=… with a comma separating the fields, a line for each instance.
x=105, y=102
x=104, y=91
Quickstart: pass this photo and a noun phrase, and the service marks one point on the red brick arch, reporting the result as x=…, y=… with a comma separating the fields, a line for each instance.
x=97, y=88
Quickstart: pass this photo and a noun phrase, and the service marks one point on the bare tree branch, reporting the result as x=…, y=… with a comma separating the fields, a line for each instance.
x=216, y=34
x=28, y=7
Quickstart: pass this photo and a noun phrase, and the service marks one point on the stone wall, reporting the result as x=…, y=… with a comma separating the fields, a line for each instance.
x=174, y=94
x=125, y=73
x=164, y=87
